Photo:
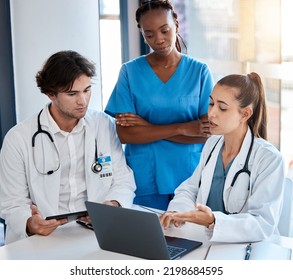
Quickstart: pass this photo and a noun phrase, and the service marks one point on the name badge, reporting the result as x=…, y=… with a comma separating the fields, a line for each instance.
x=106, y=163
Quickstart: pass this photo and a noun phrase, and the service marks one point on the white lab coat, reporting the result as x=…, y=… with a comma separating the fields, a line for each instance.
x=259, y=218
x=21, y=184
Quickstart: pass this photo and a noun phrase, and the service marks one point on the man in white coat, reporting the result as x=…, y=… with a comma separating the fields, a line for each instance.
x=66, y=154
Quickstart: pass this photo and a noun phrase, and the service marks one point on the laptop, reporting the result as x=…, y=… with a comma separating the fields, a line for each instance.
x=136, y=233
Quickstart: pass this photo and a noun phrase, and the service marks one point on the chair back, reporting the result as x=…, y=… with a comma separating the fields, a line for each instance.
x=285, y=221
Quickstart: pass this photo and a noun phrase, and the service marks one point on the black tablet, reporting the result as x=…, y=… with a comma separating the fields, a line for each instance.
x=70, y=216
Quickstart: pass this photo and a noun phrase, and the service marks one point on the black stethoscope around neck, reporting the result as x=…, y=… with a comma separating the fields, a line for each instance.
x=96, y=166
x=244, y=170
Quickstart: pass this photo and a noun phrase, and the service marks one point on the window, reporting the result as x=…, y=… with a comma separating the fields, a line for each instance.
x=239, y=36
x=110, y=40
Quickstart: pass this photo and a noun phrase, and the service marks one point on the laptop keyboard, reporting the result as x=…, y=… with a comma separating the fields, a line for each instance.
x=175, y=251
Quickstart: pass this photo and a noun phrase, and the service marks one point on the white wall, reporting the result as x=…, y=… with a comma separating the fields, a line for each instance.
x=43, y=27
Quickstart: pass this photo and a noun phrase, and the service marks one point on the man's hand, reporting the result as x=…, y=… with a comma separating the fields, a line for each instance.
x=36, y=224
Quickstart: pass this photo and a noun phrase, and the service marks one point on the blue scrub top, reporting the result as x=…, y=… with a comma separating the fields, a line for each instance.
x=215, y=200
x=161, y=166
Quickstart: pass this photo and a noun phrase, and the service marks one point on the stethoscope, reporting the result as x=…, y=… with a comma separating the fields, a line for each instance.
x=242, y=170
x=96, y=166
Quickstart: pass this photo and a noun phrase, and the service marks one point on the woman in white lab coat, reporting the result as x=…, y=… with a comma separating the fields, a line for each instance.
x=54, y=161
x=236, y=190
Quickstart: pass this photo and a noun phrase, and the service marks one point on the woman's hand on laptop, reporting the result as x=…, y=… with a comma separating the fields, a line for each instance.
x=167, y=220
x=201, y=215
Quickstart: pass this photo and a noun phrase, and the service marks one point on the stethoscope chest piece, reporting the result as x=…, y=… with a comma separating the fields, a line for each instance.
x=96, y=167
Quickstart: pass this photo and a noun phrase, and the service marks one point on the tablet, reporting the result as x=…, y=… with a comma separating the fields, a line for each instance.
x=70, y=216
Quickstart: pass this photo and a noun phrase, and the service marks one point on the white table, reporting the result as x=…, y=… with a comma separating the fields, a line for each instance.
x=74, y=242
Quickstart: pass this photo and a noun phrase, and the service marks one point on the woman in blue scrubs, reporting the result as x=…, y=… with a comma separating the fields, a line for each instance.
x=160, y=103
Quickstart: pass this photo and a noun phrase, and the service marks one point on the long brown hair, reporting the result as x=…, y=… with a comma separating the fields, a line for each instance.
x=250, y=92
x=146, y=6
